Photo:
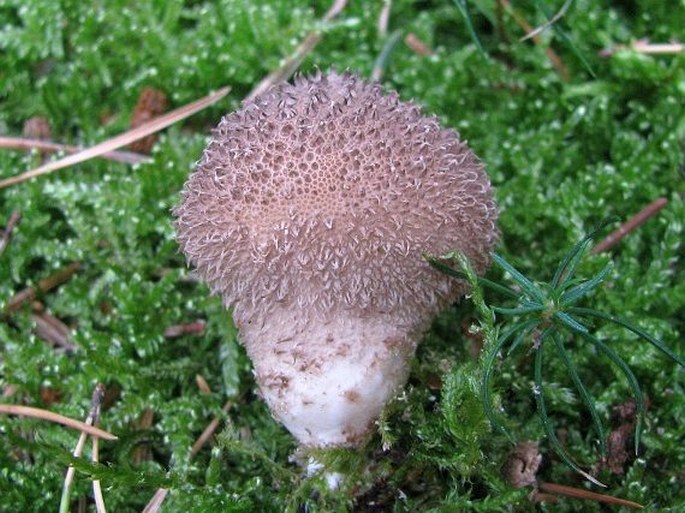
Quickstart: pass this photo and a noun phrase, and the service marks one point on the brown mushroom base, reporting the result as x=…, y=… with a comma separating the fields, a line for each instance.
x=327, y=379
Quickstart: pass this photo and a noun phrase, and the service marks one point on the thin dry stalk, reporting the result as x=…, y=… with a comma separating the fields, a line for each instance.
x=29, y=411
x=178, y=330
x=551, y=54
x=384, y=18
x=158, y=498
x=97, y=488
x=6, y=235
x=20, y=143
x=644, y=46
x=631, y=224
x=124, y=139
x=156, y=501
x=579, y=493
x=94, y=412
x=71, y=472
x=549, y=22
x=294, y=61
x=202, y=384
x=43, y=285
x=416, y=45
x=208, y=432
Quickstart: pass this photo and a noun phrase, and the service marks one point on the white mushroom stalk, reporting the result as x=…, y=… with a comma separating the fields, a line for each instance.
x=309, y=213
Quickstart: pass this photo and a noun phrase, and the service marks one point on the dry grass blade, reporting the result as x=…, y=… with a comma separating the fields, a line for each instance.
x=293, y=62
x=20, y=143
x=28, y=411
x=579, y=493
x=43, y=285
x=97, y=488
x=156, y=501
x=549, y=22
x=124, y=139
x=631, y=224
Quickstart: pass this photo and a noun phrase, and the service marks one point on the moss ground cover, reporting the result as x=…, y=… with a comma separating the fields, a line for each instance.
x=567, y=143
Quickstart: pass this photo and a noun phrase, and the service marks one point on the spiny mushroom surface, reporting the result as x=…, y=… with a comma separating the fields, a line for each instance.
x=309, y=213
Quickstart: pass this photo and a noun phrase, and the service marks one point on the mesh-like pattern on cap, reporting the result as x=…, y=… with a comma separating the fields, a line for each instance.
x=325, y=194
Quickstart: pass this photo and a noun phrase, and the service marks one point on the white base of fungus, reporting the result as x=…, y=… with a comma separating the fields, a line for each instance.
x=327, y=380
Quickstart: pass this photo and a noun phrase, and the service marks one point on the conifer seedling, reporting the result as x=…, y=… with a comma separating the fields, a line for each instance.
x=548, y=313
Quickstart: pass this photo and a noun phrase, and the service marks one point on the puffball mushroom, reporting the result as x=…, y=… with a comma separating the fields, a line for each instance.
x=309, y=213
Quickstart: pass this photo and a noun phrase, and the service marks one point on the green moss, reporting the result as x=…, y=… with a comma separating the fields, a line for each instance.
x=562, y=154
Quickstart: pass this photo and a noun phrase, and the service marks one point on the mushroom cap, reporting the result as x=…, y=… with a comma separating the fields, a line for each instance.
x=324, y=194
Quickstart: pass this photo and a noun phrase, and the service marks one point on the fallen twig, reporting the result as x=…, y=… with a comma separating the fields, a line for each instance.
x=156, y=501
x=44, y=285
x=549, y=22
x=521, y=470
x=551, y=54
x=208, y=431
x=631, y=224
x=579, y=493
x=20, y=143
x=6, y=235
x=293, y=62
x=128, y=137
x=644, y=46
x=202, y=384
x=416, y=45
x=29, y=411
x=178, y=330
x=158, y=498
